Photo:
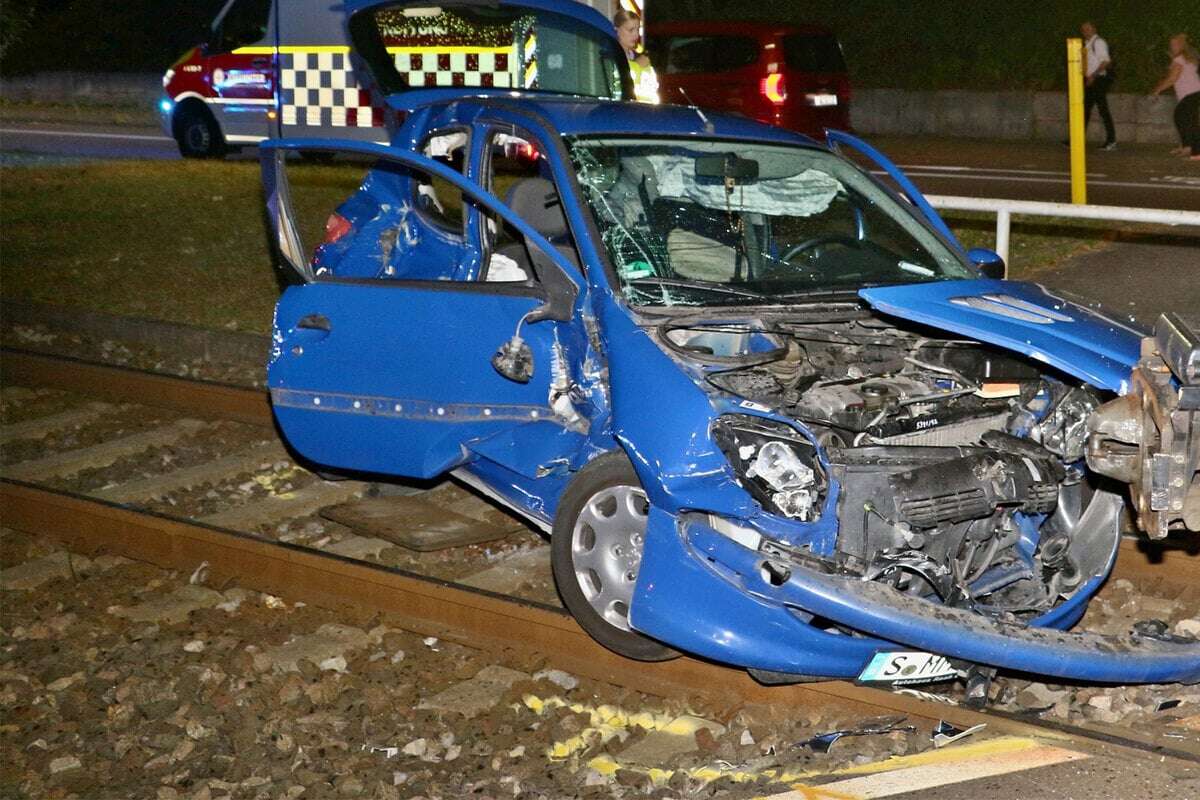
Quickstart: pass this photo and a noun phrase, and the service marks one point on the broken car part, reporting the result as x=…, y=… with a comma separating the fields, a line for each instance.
x=881, y=726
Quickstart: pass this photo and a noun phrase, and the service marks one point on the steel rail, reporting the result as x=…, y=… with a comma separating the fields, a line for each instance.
x=200, y=398
x=433, y=607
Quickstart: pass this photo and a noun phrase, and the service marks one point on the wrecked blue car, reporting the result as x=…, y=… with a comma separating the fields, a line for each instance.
x=767, y=408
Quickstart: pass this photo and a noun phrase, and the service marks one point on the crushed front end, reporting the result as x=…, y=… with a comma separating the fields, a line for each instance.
x=903, y=492
x=1150, y=437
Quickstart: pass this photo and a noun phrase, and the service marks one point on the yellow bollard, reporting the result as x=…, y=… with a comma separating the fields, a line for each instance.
x=1075, y=121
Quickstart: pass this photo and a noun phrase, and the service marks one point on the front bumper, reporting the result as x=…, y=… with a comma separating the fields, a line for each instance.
x=703, y=592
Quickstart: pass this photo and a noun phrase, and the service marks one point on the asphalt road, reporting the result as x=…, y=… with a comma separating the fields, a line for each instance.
x=86, y=141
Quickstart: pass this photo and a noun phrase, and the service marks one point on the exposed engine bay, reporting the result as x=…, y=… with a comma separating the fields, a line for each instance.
x=959, y=468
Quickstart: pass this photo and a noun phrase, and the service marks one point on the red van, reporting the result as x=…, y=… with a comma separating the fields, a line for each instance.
x=791, y=76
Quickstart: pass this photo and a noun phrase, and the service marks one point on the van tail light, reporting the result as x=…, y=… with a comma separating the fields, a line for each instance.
x=336, y=227
x=774, y=88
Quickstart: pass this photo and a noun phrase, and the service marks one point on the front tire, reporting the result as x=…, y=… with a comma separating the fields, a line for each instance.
x=596, y=552
x=197, y=134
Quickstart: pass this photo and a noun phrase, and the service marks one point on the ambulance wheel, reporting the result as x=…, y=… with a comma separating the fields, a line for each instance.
x=596, y=551
x=197, y=134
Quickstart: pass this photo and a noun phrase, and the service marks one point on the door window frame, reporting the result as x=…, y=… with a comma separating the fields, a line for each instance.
x=288, y=247
x=461, y=231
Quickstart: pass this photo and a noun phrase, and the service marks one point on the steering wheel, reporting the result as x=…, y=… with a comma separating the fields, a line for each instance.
x=817, y=241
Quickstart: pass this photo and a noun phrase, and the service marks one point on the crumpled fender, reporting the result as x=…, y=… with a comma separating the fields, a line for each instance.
x=882, y=612
x=656, y=407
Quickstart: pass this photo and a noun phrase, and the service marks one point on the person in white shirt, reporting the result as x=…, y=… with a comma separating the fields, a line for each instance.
x=1184, y=77
x=1097, y=80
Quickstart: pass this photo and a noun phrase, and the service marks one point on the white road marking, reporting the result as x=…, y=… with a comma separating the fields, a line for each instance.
x=997, y=169
x=88, y=135
x=910, y=774
x=916, y=779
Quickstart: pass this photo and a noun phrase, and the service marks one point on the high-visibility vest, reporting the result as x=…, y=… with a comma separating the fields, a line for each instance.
x=645, y=82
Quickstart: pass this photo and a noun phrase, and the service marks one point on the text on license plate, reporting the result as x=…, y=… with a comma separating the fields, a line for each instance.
x=907, y=667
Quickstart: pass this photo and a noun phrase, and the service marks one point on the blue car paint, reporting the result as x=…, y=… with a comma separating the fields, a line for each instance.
x=679, y=599
x=877, y=610
x=694, y=588
x=1068, y=337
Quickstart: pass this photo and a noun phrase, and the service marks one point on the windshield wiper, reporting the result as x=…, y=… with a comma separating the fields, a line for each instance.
x=706, y=286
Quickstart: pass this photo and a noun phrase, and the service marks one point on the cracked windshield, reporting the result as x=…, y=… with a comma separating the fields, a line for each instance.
x=726, y=223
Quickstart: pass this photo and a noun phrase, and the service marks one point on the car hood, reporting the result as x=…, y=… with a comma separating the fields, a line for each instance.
x=1023, y=317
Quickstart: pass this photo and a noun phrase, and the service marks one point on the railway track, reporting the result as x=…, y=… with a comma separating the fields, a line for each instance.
x=450, y=611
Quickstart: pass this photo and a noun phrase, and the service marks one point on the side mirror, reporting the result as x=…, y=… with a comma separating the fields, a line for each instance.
x=989, y=262
x=514, y=360
x=560, y=290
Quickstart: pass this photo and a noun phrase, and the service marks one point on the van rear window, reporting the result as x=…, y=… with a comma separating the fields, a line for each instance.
x=813, y=53
x=682, y=55
x=484, y=45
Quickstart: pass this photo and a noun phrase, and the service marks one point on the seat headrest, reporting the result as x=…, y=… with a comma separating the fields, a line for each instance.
x=536, y=201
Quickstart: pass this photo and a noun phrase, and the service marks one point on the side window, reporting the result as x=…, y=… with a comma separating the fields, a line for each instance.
x=686, y=55
x=517, y=173
x=244, y=24
x=435, y=198
x=360, y=219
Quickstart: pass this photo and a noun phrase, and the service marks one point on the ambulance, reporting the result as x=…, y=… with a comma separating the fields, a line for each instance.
x=272, y=68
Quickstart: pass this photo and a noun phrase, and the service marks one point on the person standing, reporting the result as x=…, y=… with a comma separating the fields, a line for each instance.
x=629, y=34
x=1097, y=80
x=1184, y=76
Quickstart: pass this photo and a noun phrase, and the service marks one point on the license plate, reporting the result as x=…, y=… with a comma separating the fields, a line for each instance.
x=907, y=667
x=822, y=100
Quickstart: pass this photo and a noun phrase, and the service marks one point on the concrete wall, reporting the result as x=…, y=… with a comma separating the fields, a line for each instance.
x=84, y=88
x=1005, y=115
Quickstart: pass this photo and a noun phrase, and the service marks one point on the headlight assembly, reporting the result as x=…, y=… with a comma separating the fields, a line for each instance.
x=774, y=463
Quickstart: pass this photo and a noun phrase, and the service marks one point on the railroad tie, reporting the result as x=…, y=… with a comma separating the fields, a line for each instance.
x=41, y=427
x=71, y=462
x=300, y=503
x=157, y=486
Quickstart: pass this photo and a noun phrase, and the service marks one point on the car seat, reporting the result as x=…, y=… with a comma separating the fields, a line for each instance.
x=536, y=201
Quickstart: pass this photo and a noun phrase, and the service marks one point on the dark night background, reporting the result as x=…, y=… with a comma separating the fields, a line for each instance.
x=934, y=44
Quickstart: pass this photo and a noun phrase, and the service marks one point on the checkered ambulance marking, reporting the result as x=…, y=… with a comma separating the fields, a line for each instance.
x=322, y=89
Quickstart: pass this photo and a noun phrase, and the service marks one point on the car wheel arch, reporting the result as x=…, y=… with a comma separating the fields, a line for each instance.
x=194, y=109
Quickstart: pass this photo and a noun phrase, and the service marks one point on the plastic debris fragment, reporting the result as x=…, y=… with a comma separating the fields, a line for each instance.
x=872, y=727
x=945, y=733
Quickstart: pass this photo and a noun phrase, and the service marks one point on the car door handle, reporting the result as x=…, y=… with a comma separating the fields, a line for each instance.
x=260, y=63
x=316, y=322
x=313, y=327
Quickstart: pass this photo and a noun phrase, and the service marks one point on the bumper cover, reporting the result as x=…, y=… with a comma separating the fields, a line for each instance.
x=703, y=592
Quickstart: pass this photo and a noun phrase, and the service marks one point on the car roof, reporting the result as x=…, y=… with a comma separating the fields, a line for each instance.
x=729, y=28
x=575, y=116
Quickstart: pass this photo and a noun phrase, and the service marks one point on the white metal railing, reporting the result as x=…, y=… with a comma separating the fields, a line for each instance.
x=1004, y=209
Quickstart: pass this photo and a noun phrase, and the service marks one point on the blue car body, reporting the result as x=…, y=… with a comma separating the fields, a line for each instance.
x=393, y=374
